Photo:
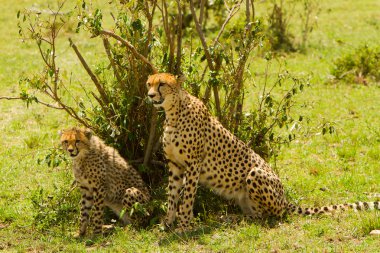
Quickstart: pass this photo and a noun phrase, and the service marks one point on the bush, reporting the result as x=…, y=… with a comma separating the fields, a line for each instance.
x=115, y=107
x=270, y=124
x=282, y=27
x=360, y=66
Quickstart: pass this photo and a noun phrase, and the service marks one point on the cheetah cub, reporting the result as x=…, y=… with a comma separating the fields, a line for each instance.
x=103, y=176
x=200, y=150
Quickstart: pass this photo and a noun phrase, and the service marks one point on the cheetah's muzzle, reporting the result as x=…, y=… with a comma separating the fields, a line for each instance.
x=158, y=103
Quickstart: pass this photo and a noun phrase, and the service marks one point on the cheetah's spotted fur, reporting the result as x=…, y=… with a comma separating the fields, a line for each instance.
x=200, y=150
x=104, y=178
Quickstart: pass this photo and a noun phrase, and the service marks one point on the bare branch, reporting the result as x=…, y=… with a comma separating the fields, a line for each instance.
x=90, y=73
x=131, y=48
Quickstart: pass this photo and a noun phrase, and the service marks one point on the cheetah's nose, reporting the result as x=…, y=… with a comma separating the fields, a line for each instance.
x=70, y=150
x=151, y=95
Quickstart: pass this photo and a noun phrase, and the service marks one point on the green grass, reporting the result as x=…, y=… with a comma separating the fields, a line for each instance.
x=315, y=169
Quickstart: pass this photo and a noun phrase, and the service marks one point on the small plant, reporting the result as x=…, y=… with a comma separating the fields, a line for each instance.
x=368, y=224
x=360, y=66
x=53, y=158
x=57, y=208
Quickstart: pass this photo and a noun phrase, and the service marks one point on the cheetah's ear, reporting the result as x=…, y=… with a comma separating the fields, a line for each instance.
x=180, y=79
x=60, y=132
x=88, y=133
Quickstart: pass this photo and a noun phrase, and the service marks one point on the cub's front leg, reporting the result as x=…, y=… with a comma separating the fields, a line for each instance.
x=99, y=195
x=86, y=205
x=174, y=189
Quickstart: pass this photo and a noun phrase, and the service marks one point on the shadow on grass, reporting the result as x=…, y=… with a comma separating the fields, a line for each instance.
x=209, y=227
x=172, y=236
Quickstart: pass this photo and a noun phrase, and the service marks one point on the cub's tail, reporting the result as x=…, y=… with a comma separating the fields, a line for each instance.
x=358, y=206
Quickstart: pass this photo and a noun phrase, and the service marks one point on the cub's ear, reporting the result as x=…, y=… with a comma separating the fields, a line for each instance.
x=88, y=133
x=180, y=79
x=60, y=132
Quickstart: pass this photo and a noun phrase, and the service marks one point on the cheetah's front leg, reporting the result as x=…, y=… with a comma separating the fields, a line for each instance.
x=185, y=214
x=175, y=185
x=99, y=194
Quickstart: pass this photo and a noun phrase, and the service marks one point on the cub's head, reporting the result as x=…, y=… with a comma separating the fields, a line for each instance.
x=75, y=141
x=162, y=88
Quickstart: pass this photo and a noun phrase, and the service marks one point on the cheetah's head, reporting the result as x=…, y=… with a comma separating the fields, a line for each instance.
x=163, y=88
x=75, y=141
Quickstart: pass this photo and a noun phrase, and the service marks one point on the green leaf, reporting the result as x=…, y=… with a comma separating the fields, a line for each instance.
x=137, y=25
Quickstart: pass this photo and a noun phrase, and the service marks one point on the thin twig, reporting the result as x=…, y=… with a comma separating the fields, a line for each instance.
x=54, y=33
x=202, y=12
x=149, y=16
x=237, y=90
x=152, y=134
x=231, y=13
x=202, y=37
x=107, y=48
x=169, y=31
x=10, y=98
x=99, y=101
x=179, y=39
x=247, y=12
x=253, y=10
x=208, y=56
x=37, y=101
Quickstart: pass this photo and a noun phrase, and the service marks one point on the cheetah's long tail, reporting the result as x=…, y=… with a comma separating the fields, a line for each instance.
x=358, y=206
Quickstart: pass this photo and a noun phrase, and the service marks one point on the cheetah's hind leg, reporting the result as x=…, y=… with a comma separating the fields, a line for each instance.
x=266, y=193
x=131, y=196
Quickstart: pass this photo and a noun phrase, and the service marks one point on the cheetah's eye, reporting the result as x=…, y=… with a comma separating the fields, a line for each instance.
x=161, y=84
x=65, y=142
x=77, y=141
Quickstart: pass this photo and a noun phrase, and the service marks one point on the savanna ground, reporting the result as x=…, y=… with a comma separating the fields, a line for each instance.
x=315, y=169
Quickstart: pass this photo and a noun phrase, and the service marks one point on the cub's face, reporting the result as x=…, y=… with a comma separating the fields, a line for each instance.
x=75, y=141
x=162, y=88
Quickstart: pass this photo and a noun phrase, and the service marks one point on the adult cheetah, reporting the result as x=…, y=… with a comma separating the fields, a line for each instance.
x=200, y=150
x=103, y=176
